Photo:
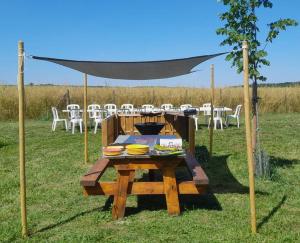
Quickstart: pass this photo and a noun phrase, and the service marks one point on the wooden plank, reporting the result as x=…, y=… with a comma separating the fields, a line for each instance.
x=93, y=175
x=171, y=191
x=116, y=127
x=147, y=163
x=104, y=132
x=190, y=187
x=146, y=188
x=109, y=133
x=198, y=174
x=121, y=125
x=120, y=195
x=143, y=188
x=139, y=166
x=191, y=134
x=131, y=125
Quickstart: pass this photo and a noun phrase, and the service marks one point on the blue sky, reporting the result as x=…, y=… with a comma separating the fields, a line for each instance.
x=132, y=30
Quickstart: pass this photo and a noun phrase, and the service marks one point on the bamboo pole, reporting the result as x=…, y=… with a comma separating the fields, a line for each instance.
x=248, y=136
x=211, y=130
x=22, y=138
x=85, y=119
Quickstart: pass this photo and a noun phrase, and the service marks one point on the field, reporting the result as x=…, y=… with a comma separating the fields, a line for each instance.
x=58, y=212
x=39, y=99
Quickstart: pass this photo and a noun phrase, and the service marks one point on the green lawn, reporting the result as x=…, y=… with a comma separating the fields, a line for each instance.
x=58, y=212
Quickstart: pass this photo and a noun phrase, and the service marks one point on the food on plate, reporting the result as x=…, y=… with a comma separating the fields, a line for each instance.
x=164, y=148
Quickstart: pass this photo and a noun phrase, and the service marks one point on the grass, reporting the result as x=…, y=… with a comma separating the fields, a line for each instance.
x=39, y=99
x=58, y=212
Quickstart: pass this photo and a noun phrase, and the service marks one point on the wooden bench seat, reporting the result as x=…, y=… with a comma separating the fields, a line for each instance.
x=92, y=177
x=196, y=171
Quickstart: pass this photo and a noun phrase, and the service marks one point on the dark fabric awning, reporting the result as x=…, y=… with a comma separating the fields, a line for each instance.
x=133, y=70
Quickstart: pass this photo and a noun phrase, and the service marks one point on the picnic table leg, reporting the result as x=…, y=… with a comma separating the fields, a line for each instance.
x=120, y=195
x=171, y=190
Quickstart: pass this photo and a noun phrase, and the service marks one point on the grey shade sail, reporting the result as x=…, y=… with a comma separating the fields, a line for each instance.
x=133, y=70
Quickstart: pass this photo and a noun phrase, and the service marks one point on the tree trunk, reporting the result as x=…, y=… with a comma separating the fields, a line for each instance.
x=254, y=114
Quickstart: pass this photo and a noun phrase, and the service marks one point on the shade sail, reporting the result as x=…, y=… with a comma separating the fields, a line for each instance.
x=133, y=70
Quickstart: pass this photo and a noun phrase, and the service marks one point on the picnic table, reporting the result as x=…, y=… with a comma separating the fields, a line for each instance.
x=126, y=166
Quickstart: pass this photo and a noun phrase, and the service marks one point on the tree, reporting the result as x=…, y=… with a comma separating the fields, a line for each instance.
x=241, y=23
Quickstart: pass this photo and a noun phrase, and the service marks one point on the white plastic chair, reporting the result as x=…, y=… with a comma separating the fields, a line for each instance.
x=217, y=118
x=72, y=107
x=111, y=108
x=99, y=116
x=91, y=111
x=185, y=107
x=147, y=108
x=236, y=116
x=57, y=119
x=166, y=107
x=75, y=118
x=207, y=111
x=127, y=108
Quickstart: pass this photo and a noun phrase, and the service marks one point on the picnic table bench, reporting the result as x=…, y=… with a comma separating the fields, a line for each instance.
x=125, y=184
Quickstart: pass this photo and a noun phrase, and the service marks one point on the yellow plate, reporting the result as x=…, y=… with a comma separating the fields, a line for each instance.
x=111, y=153
x=137, y=146
x=136, y=152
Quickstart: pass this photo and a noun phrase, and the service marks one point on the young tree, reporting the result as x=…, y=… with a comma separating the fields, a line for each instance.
x=241, y=23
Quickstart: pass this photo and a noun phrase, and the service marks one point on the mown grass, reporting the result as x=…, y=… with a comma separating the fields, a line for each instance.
x=58, y=212
x=39, y=99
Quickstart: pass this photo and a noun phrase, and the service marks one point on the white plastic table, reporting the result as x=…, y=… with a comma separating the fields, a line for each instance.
x=225, y=109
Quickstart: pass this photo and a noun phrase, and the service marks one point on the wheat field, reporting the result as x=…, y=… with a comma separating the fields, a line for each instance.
x=39, y=99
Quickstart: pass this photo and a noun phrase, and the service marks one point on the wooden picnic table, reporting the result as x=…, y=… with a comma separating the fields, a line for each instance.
x=126, y=167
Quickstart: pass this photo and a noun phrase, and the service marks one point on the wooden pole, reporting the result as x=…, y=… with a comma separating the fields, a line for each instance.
x=85, y=120
x=211, y=130
x=248, y=136
x=22, y=138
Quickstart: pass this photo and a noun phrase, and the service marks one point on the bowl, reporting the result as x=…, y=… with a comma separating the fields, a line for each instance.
x=149, y=128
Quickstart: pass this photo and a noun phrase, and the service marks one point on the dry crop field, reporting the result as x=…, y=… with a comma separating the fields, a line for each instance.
x=39, y=99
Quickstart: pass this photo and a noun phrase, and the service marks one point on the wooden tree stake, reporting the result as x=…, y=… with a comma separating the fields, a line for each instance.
x=211, y=130
x=22, y=138
x=86, y=158
x=248, y=136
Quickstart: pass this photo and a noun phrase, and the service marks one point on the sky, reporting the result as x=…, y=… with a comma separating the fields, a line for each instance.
x=133, y=30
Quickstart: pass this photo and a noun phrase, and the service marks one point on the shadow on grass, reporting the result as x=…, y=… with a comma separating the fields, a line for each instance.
x=187, y=202
x=106, y=207
x=3, y=144
x=221, y=180
x=206, y=201
x=272, y=212
x=282, y=162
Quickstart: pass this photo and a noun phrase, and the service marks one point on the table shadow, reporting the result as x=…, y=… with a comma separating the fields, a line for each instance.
x=206, y=201
x=221, y=180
